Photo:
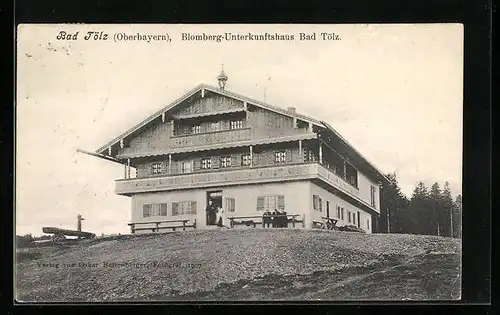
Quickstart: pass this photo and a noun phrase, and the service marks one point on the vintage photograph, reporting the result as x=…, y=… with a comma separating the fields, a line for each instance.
x=179, y=162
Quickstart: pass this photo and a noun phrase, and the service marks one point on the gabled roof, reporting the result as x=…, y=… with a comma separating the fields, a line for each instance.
x=192, y=92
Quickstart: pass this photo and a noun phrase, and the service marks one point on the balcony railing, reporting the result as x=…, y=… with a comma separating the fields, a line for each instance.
x=230, y=135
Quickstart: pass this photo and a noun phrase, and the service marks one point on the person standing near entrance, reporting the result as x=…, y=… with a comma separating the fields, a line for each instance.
x=211, y=213
x=266, y=218
x=284, y=219
x=275, y=219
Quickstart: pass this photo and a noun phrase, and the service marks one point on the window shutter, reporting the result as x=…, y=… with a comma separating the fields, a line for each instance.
x=260, y=203
x=281, y=202
x=146, y=211
x=175, y=208
x=193, y=207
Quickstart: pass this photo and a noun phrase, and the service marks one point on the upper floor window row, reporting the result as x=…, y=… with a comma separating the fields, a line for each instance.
x=213, y=126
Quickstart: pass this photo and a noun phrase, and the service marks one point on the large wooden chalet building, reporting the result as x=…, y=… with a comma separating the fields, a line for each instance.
x=247, y=157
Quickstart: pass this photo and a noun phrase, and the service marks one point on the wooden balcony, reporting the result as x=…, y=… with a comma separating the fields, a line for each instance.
x=217, y=178
x=230, y=135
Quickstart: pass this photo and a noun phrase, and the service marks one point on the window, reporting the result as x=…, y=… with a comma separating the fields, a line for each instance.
x=236, y=124
x=271, y=203
x=186, y=167
x=372, y=195
x=308, y=155
x=368, y=224
x=230, y=204
x=146, y=211
x=163, y=209
x=280, y=156
x=354, y=218
x=206, y=163
x=342, y=213
x=215, y=126
x=196, y=129
x=225, y=161
x=349, y=216
x=156, y=168
x=183, y=208
x=317, y=202
x=245, y=160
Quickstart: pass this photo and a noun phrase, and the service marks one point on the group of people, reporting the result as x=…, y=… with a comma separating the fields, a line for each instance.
x=275, y=219
x=215, y=215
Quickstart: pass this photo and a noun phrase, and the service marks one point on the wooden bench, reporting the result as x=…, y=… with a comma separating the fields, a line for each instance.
x=326, y=223
x=249, y=220
x=183, y=224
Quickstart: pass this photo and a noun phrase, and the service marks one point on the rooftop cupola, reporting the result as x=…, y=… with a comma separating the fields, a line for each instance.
x=222, y=78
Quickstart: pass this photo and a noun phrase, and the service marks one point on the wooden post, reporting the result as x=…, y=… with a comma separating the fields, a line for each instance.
x=157, y=226
x=128, y=168
x=320, y=153
x=345, y=169
x=301, y=155
x=121, y=143
x=202, y=93
x=163, y=117
x=251, y=156
x=109, y=150
x=170, y=164
x=125, y=170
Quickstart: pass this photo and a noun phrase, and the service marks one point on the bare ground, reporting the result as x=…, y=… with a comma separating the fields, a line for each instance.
x=244, y=264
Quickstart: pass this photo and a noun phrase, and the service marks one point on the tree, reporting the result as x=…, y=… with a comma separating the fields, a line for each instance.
x=436, y=206
x=447, y=209
x=457, y=217
x=421, y=218
x=393, y=204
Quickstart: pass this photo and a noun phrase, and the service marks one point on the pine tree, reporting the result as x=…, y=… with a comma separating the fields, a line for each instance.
x=436, y=207
x=447, y=209
x=394, y=206
x=457, y=217
x=421, y=212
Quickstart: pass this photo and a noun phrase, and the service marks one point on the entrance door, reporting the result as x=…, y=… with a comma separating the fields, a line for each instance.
x=216, y=198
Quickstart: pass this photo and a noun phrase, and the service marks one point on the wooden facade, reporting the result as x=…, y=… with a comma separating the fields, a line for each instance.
x=213, y=141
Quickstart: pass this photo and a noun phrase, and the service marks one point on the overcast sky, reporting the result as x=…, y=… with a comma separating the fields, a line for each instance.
x=393, y=91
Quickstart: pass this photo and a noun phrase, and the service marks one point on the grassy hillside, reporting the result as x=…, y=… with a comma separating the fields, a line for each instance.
x=244, y=264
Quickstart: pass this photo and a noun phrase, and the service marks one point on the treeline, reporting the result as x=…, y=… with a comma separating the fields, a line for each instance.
x=429, y=211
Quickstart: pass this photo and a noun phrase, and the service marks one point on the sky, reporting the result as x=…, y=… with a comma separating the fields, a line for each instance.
x=393, y=91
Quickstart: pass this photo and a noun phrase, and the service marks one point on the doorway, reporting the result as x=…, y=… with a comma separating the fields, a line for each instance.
x=215, y=197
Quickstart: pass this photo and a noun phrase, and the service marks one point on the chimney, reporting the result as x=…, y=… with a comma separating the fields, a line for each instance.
x=291, y=110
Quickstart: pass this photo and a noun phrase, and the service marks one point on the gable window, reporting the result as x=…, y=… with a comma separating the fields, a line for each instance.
x=236, y=124
x=317, y=203
x=271, y=203
x=206, y=163
x=215, y=126
x=196, y=129
x=156, y=168
x=280, y=156
x=245, y=160
x=230, y=204
x=187, y=167
x=372, y=195
x=146, y=210
x=225, y=161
